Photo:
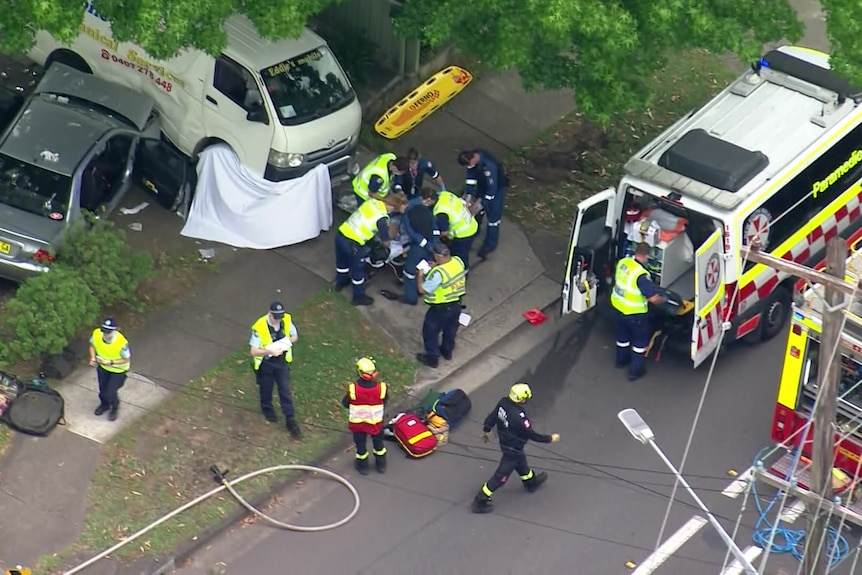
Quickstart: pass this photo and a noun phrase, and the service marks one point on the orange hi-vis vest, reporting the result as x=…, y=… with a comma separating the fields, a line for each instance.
x=365, y=412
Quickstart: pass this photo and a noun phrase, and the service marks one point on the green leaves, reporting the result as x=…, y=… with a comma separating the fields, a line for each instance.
x=111, y=269
x=46, y=312
x=605, y=50
x=161, y=27
x=95, y=269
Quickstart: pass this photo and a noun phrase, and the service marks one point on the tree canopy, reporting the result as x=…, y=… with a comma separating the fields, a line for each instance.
x=606, y=49
x=161, y=27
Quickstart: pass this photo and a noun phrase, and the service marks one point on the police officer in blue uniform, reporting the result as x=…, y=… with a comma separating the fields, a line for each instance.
x=418, y=169
x=419, y=225
x=443, y=287
x=485, y=182
x=633, y=292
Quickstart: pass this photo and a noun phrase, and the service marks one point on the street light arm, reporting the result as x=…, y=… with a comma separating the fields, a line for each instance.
x=737, y=552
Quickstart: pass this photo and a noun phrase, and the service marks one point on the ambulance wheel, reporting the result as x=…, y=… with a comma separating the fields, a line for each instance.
x=773, y=319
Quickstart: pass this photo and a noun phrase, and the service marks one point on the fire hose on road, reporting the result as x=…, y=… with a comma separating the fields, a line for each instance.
x=225, y=484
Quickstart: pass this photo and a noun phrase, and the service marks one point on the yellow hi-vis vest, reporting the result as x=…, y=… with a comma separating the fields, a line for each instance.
x=361, y=226
x=379, y=166
x=626, y=297
x=111, y=351
x=462, y=224
x=454, y=284
x=261, y=328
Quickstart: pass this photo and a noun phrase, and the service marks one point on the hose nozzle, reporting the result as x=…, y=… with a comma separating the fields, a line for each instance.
x=219, y=476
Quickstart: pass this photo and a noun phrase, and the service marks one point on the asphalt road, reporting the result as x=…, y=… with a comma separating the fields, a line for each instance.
x=602, y=506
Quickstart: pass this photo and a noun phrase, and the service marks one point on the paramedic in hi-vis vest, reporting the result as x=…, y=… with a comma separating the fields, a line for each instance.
x=271, y=348
x=109, y=350
x=456, y=223
x=514, y=430
x=379, y=177
x=444, y=285
x=633, y=292
x=351, y=247
x=365, y=400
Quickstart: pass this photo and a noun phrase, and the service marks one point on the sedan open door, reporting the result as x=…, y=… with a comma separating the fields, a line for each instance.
x=589, y=248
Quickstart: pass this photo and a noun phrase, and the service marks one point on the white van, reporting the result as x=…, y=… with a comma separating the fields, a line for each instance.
x=284, y=106
x=777, y=156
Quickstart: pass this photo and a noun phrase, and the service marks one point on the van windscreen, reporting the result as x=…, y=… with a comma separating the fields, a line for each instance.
x=307, y=87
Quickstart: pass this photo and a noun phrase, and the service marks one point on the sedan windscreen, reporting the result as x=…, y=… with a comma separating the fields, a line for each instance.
x=307, y=87
x=34, y=189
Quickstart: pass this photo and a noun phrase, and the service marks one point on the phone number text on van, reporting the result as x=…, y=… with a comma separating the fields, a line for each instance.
x=165, y=85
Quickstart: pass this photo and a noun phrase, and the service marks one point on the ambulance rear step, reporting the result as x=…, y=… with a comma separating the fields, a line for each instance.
x=776, y=474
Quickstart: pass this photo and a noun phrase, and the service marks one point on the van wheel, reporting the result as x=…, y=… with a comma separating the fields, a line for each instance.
x=773, y=319
x=70, y=59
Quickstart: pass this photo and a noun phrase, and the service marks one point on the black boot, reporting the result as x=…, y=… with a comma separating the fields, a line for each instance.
x=482, y=504
x=101, y=409
x=380, y=463
x=115, y=412
x=269, y=414
x=362, y=300
x=535, y=481
x=293, y=428
x=361, y=466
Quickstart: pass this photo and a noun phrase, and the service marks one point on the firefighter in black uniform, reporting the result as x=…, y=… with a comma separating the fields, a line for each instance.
x=514, y=429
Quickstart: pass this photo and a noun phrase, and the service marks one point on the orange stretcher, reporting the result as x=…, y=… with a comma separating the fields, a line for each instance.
x=422, y=102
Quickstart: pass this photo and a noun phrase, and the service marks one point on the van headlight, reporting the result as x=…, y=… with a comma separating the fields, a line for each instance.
x=285, y=160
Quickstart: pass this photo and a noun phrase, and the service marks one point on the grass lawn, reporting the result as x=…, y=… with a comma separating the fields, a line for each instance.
x=577, y=158
x=163, y=460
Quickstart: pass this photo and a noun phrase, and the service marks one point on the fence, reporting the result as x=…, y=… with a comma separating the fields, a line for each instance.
x=372, y=18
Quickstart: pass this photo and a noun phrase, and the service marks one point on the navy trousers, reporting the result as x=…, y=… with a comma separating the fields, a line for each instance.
x=275, y=372
x=440, y=319
x=349, y=266
x=109, y=387
x=414, y=255
x=461, y=247
x=633, y=335
x=493, y=210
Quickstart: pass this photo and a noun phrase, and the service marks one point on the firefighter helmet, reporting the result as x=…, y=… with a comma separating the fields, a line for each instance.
x=366, y=367
x=520, y=392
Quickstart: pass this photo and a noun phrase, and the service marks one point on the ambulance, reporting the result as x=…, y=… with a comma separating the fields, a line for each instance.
x=792, y=429
x=776, y=156
x=284, y=106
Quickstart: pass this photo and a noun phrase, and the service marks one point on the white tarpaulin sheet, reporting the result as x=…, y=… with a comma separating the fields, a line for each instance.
x=235, y=207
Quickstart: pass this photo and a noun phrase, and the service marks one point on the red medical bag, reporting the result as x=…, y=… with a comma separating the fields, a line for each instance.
x=414, y=436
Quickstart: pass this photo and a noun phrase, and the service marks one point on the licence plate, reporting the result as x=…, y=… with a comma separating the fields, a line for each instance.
x=5, y=248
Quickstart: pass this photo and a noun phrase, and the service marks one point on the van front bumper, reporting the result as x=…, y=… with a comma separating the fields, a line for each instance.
x=340, y=163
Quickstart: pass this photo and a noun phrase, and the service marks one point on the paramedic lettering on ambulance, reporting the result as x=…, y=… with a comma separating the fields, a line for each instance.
x=633, y=292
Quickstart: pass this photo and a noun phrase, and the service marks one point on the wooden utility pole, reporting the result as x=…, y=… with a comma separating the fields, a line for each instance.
x=816, y=557
x=829, y=374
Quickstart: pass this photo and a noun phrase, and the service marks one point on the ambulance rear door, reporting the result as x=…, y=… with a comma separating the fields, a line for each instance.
x=708, y=298
x=589, y=249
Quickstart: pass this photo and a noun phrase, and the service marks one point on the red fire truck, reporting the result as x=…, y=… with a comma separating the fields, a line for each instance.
x=797, y=391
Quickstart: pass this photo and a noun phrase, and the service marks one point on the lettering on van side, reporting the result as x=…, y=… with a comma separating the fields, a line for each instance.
x=165, y=85
x=851, y=162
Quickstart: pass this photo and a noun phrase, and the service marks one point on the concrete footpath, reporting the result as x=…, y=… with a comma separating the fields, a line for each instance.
x=45, y=481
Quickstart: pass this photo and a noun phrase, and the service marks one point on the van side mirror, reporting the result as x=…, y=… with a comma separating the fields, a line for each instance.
x=257, y=115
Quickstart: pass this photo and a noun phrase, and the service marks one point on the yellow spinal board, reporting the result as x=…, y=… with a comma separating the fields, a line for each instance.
x=422, y=102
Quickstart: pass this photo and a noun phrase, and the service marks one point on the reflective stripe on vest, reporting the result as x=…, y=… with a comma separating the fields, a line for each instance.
x=454, y=284
x=111, y=351
x=369, y=408
x=379, y=166
x=626, y=297
x=462, y=224
x=361, y=226
x=261, y=328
